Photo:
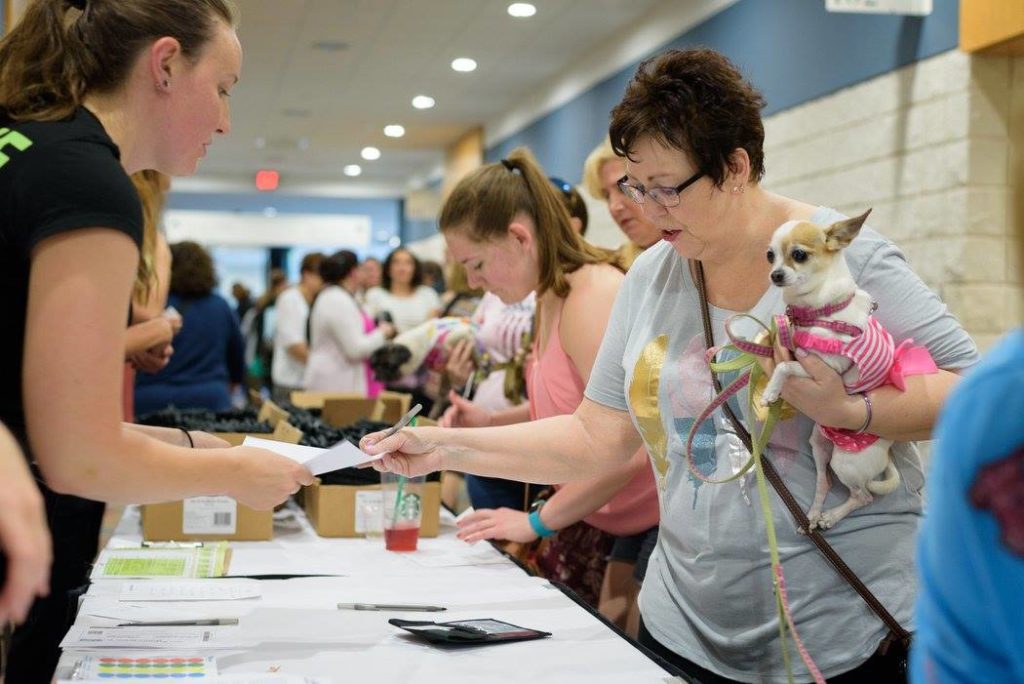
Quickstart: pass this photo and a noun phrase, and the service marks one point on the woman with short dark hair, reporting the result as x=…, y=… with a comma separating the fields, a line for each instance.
x=690, y=130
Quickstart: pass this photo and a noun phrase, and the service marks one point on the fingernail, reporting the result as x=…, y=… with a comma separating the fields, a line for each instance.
x=801, y=352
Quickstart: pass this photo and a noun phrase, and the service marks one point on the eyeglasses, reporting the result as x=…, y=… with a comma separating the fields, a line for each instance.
x=665, y=196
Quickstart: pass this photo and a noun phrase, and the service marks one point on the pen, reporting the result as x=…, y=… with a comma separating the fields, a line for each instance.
x=403, y=421
x=182, y=623
x=393, y=607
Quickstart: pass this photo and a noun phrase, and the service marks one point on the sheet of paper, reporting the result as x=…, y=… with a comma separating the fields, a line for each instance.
x=121, y=612
x=206, y=561
x=241, y=678
x=155, y=590
x=481, y=554
x=150, y=667
x=344, y=454
x=187, y=637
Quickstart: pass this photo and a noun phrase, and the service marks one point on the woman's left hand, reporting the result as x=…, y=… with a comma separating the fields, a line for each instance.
x=500, y=523
x=822, y=397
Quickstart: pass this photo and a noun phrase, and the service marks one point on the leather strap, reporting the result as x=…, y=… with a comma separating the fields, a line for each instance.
x=803, y=524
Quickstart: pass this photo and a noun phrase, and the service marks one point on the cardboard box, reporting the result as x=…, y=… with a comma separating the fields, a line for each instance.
x=214, y=517
x=342, y=412
x=333, y=509
x=206, y=518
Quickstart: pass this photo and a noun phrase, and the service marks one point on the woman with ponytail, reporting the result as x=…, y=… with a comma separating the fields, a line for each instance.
x=508, y=226
x=92, y=91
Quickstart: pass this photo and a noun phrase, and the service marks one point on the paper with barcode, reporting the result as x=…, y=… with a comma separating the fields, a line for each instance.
x=155, y=590
x=209, y=515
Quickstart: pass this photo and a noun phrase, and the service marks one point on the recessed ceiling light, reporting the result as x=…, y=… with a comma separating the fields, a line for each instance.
x=330, y=45
x=370, y=153
x=394, y=130
x=422, y=102
x=352, y=170
x=464, y=64
x=260, y=143
x=521, y=10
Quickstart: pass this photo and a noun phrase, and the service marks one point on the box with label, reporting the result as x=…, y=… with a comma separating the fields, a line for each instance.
x=203, y=518
x=215, y=517
x=338, y=510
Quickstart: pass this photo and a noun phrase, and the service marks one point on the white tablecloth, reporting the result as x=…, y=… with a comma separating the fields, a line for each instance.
x=296, y=628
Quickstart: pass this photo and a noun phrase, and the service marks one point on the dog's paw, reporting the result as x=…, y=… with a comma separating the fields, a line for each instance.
x=826, y=520
x=770, y=395
x=813, y=518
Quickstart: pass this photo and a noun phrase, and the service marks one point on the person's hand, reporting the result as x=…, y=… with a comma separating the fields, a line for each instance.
x=389, y=330
x=464, y=413
x=204, y=440
x=153, y=359
x=500, y=523
x=174, y=318
x=265, y=479
x=24, y=538
x=460, y=363
x=822, y=397
x=407, y=452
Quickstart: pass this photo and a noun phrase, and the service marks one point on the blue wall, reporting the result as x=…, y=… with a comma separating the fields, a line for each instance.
x=792, y=50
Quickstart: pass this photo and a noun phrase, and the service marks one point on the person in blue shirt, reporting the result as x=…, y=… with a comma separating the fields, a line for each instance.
x=970, y=609
x=208, y=352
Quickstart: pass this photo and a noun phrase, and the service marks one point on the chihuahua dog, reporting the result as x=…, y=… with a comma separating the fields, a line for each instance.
x=831, y=317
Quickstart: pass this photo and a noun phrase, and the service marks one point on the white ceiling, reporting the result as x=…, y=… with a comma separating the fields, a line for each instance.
x=314, y=109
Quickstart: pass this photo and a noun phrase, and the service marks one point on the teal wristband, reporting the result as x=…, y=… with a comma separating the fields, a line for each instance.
x=539, y=528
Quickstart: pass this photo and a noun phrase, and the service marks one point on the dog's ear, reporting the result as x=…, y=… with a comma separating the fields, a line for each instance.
x=841, y=233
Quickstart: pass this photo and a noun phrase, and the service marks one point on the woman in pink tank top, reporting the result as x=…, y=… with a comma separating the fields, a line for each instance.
x=507, y=225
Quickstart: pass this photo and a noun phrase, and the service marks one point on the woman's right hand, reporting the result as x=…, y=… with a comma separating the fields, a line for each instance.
x=388, y=329
x=406, y=452
x=264, y=479
x=464, y=413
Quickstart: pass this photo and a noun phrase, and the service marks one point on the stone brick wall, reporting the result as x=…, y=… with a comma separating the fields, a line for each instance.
x=936, y=149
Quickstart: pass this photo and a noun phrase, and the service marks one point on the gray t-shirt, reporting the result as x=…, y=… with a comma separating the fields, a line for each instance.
x=708, y=591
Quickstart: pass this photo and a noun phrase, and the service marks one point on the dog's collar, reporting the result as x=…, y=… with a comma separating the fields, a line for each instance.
x=803, y=315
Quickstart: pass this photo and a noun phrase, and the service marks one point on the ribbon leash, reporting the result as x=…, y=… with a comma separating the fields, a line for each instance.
x=746, y=361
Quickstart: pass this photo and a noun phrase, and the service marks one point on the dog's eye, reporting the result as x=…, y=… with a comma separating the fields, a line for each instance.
x=799, y=256
x=771, y=256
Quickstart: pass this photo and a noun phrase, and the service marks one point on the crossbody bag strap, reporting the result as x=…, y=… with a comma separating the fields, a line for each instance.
x=803, y=525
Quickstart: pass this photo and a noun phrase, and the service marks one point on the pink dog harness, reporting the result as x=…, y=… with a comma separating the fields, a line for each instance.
x=871, y=350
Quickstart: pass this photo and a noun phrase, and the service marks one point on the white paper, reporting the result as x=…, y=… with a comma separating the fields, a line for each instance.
x=130, y=613
x=187, y=637
x=344, y=454
x=221, y=590
x=242, y=678
x=482, y=554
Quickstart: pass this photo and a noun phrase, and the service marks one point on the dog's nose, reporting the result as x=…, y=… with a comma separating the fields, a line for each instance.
x=778, y=277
